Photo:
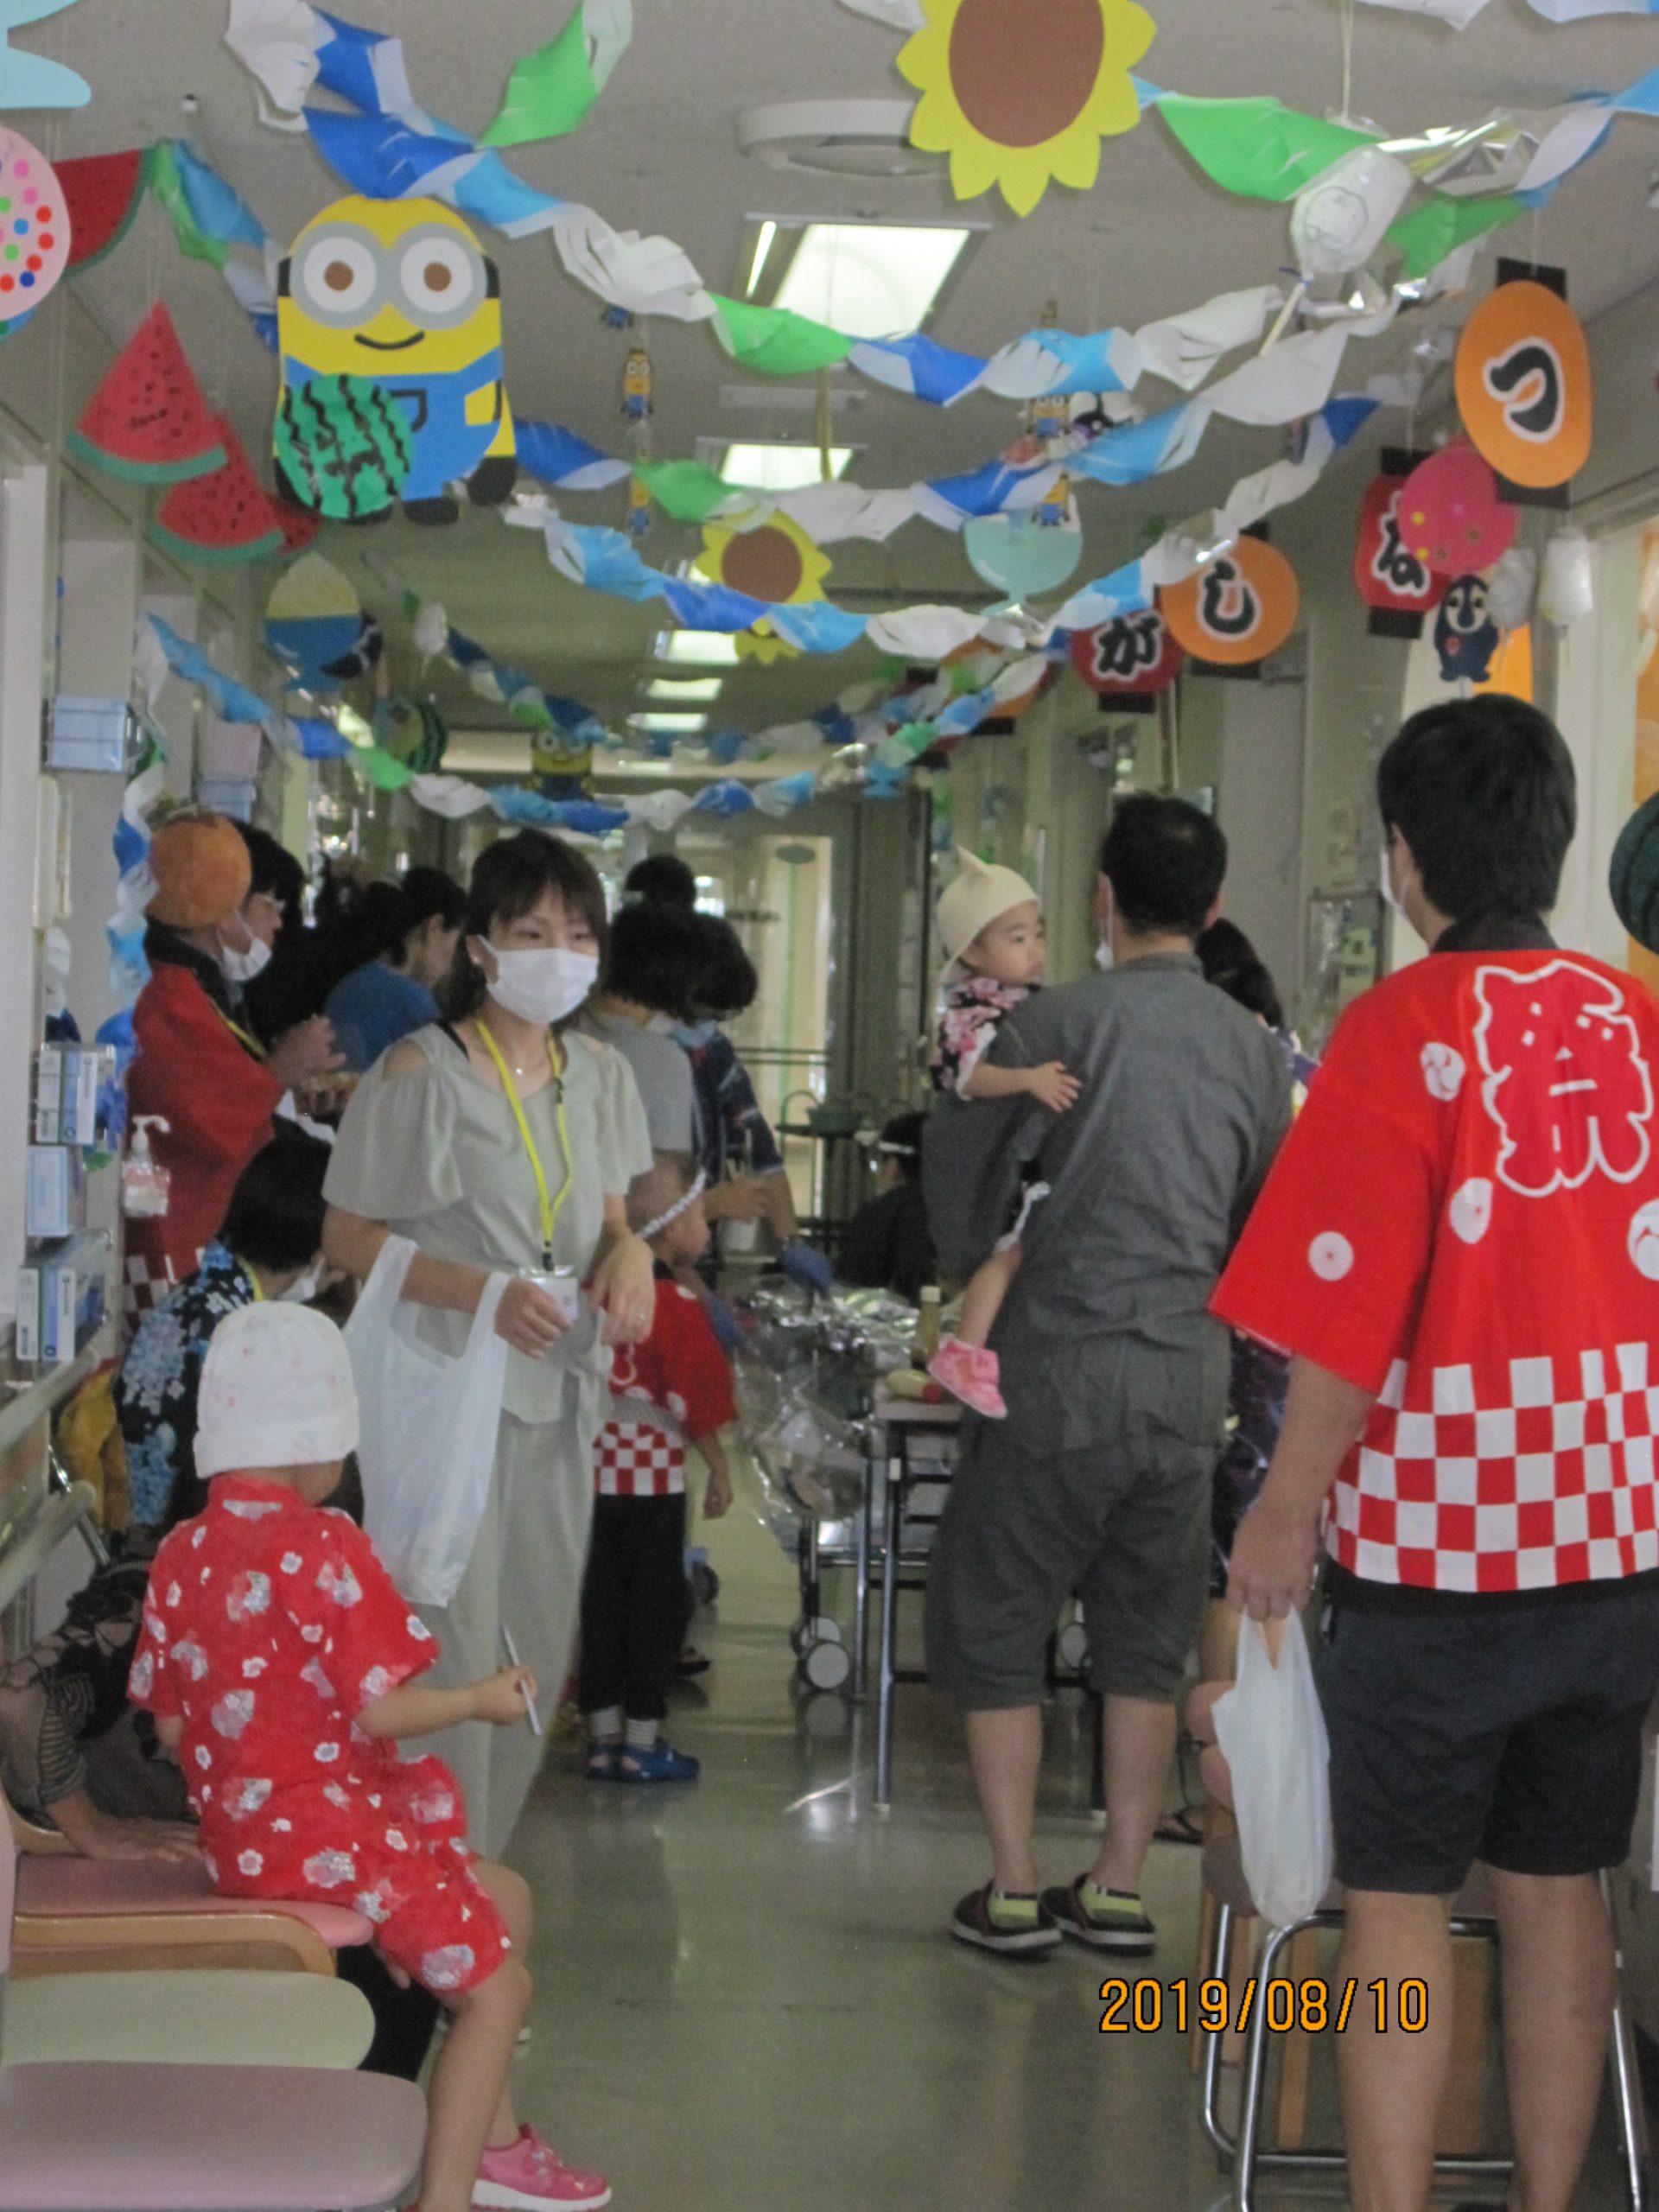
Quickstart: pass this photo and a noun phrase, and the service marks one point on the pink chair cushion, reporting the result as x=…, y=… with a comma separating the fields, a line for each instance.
x=214, y=2138
x=75, y=1888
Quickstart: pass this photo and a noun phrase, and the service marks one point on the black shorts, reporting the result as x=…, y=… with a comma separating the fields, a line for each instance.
x=1507, y=1733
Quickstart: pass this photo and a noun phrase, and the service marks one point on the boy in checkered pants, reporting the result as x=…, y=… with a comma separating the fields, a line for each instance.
x=673, y=1389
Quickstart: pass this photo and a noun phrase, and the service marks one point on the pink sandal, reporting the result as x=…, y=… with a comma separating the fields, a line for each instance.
x=969, y=1373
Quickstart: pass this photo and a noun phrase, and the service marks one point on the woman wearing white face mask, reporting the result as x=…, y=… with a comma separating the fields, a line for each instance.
x=199, y=1067
x=503, y=1140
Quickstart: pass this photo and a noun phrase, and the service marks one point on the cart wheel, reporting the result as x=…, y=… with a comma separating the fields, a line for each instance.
x=824, y=1716
x=826, y=1666
x=705, y=1583
x=798, y=1636
x=825, y=1630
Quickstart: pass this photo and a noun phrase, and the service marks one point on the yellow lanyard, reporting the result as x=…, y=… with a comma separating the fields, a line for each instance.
x=550, y=1207
x=242, y=1037
x=253, y=1282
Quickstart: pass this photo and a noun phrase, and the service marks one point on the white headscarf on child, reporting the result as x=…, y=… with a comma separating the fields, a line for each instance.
x=275, y=1392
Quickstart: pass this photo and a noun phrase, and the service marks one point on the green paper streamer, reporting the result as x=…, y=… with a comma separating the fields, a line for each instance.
x=684, y=489
x=550, y=92
x=775, y=341
x=377, y=766
x=161, y=175
x=1258, y=147
x=1445, y=222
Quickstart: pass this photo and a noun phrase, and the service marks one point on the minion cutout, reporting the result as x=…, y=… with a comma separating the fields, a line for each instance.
x=389, y=326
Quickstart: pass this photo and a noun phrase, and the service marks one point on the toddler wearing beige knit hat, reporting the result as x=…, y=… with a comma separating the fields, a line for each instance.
x=990, y=924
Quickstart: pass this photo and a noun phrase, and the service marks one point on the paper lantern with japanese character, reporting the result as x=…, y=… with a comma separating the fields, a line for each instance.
x=1128, y=661
x=1398, y=588
x=1524, y=386
x=1239, y=608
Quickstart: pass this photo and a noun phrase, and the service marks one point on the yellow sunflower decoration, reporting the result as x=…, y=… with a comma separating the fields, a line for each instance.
x=1017, y=95
x=775, y=561
x=763, y=645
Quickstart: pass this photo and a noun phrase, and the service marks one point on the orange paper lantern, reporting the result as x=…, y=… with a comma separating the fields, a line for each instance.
x=1239, y=608
x=1524, y=387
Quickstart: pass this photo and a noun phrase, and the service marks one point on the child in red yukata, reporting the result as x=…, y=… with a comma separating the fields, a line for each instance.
x=676, y=1386
x=279, y=1661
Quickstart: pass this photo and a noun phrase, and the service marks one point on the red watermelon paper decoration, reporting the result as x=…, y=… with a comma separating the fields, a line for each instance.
x=227, y=515
x=148, y=420
x=299, y=527
x=1450, y=515
x=103, y=193
x=1398, y=588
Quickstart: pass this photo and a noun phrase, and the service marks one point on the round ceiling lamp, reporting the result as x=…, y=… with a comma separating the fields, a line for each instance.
x=835, y=138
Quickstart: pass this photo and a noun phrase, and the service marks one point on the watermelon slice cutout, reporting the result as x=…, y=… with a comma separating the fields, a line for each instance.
x=299, y=527
x=103, y=193
x=224, y=517
x=148, y=420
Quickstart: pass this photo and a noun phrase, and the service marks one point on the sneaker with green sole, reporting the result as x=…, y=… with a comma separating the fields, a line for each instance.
x=1027, y=1936
x=1118, y=1924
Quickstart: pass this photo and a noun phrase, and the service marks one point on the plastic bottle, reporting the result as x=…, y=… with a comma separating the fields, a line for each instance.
x=928, y=1326
x=145, y=1183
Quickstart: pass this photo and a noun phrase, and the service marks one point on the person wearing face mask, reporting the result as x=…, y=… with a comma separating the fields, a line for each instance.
x=504, y=1140
x=199, y=1067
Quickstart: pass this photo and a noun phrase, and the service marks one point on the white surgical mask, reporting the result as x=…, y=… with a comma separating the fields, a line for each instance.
x=1390, y=896
x=302, y=1292
x=544, y=983
x=242, y=967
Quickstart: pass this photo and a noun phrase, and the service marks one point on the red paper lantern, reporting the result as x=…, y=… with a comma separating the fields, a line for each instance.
x=1128, y=661
x=1398, y=588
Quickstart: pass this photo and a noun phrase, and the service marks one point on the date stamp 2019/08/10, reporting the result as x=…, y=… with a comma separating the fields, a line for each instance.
x=1314, y=2006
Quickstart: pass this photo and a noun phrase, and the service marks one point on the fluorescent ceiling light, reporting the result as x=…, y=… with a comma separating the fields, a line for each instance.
x=683, y=688
x=781, y=468
x=669, y=725
x=762, y=248
x=871, y=280
x=698, y=648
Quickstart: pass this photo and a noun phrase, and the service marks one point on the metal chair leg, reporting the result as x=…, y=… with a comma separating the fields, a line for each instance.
x=1254, y=2072
x=1214, y=2127
x=1627, y=2085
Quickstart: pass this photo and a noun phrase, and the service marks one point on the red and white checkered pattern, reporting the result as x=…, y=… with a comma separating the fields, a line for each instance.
x=143, y=1288
x=634, y=1459
x=1543, y=1479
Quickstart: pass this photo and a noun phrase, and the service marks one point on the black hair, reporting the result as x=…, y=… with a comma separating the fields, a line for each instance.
x=663, y=877
x=510, y=878
x=275, y=873
x=1484, y=792
x=1165, y=862
x=726, y=984
x=901, y=1142
x=275, y=1218
x=425, y=894
x=1232, y=963
x=654, y=957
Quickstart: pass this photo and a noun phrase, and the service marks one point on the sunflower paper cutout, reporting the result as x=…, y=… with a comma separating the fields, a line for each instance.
x=776, y=562
x=1019, y=95
x=763, y=645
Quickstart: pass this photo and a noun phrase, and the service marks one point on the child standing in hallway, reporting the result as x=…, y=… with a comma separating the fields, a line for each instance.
x=673, y=1389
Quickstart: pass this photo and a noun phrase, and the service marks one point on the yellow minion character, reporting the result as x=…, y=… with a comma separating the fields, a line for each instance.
x=398, y=292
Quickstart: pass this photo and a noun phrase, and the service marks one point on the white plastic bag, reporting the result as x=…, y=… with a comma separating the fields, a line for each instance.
x=428, y=1424
x=1272, y=1733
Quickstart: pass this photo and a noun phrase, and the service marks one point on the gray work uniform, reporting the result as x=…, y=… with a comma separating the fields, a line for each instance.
x=1114, y=1373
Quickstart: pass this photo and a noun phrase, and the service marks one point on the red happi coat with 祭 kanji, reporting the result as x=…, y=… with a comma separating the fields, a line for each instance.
x=1466, y=1221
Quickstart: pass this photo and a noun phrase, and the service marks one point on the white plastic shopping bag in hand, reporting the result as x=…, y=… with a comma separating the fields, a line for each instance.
x=428, y=1424
x=1272, y=1733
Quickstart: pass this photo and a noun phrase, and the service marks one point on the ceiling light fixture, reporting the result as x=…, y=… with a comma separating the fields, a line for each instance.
x=698, y=648
x=669, y=725
x=762, y=248
x=870, y=280
x=780, y=466
x=685, y=689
